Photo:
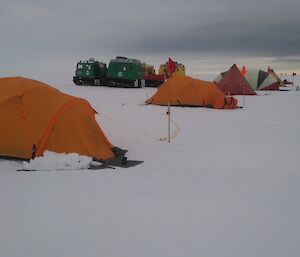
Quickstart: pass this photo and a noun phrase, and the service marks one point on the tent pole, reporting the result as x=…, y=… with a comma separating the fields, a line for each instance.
x=294, y=80
x=170, y=69
x=169, y=113
x=244, y=96
x=169, y=123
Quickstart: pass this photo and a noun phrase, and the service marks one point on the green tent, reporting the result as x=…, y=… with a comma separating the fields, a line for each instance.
x=261, y=80
x=255, y=78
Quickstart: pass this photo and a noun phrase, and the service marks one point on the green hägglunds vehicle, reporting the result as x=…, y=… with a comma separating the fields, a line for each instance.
x=121, y=72
x=125, y=72
x=90, y=72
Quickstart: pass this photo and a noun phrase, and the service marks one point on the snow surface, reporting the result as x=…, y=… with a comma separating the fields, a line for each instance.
x=58, y=161
x=227, y=185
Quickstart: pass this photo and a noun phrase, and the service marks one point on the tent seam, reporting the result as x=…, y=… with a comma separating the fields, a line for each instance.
x=52, y=122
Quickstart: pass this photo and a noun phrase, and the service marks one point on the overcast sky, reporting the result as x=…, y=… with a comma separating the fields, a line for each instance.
x=45, y=39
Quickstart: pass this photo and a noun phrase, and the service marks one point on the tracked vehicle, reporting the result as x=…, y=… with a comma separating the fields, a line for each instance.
x=121, y=72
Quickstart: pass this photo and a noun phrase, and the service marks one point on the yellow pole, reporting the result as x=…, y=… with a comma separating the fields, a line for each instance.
x=169, y=113
x=169, y=124
x=244, y=100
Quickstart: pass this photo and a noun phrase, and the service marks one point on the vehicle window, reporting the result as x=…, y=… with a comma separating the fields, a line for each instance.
x=116, y=66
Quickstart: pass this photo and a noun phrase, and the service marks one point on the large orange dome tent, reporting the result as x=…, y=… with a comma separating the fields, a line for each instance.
x=187, y=91
x=36, y=116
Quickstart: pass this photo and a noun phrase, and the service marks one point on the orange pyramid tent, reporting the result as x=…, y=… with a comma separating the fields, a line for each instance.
x=233, y=83
x=186, y=91
x=36, y=117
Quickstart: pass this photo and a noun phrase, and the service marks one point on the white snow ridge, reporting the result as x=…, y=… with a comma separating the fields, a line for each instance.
x=58, y=161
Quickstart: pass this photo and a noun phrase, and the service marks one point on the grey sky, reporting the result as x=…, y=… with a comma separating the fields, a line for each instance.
x=43, y=39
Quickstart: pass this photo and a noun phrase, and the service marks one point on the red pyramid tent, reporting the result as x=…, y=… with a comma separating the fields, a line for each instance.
x=233, y=83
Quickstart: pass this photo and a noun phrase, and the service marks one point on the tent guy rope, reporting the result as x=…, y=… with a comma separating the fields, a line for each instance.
x=142, y=132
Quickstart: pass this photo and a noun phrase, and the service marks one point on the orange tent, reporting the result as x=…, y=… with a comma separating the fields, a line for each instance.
x=36, y=117
x=186, y=91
